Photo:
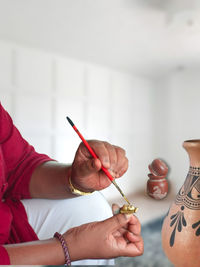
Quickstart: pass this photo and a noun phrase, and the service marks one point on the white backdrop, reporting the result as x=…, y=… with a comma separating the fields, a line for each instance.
x=40, y=89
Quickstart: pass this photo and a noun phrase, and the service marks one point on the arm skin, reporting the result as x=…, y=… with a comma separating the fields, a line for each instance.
x=111, y=238
x=50, y=180
x=46, y=252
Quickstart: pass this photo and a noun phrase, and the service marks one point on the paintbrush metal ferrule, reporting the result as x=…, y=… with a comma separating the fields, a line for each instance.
x=120, y=191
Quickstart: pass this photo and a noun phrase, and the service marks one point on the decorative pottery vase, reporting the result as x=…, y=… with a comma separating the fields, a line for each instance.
x=157, y=185
x=181, y=227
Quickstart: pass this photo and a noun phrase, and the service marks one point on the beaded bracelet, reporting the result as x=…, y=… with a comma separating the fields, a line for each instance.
x=65, y=249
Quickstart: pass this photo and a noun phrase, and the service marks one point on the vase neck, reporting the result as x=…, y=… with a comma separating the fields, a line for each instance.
x=194, y=171
x=193, y=149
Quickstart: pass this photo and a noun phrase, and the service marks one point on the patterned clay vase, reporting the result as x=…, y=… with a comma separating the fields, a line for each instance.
x=181, y=227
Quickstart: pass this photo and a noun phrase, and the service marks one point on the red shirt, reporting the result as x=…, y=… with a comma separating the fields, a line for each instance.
x=18, y=160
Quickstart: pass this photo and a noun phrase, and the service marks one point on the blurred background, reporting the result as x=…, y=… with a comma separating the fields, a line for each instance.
x=125, y=71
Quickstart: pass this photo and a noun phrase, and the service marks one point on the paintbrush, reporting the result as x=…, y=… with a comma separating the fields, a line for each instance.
x=95, y=156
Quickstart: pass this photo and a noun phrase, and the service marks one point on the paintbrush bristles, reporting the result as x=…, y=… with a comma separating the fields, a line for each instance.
x=70, y=121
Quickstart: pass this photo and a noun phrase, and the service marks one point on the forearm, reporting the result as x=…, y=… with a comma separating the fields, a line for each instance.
x=47, y=252
x=50, y=180
x=50, y=251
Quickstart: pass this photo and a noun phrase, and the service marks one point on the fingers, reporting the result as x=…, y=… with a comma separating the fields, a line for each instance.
x=115, y=209
x=112, y=157
x=100, y=150
x=118, y=225
x=89, y=166
x=113, y=160
x=122, y=162
x=134, y=225
x=85, y=167
x=134, y=248
x=132, y=238
x=135, y=244
x=115, y=223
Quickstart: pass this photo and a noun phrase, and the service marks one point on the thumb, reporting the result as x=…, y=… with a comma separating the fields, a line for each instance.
x=115, y=209
x=89, y=166
x=116, y=222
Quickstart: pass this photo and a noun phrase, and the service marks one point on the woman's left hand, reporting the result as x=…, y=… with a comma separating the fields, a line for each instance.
x=86, y=174
x=117, y=236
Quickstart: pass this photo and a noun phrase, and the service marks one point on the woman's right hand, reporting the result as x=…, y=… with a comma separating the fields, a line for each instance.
x=111, y=238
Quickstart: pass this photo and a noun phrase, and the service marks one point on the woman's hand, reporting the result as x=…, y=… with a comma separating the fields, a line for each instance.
x=114, y=237
x=86, y=172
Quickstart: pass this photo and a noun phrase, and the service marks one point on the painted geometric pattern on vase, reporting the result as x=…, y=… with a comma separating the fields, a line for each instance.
x=189, y=194
x=197, y=227
x=178, y=221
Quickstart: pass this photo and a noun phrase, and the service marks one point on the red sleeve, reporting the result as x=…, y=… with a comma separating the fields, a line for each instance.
x=19, y=158
x=4, y=258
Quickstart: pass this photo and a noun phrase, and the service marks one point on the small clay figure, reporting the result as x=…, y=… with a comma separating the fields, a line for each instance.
x=128, y=209
x=157, y=185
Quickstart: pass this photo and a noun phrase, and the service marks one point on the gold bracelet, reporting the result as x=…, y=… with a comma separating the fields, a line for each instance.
x=76, y=191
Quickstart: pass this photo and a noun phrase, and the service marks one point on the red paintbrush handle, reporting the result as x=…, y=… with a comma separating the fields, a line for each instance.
x=107, y=173
x=92, y=153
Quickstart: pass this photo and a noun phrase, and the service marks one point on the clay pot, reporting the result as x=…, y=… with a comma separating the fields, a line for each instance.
x=181, y=227
x=158, y=168
x=153, y=177
x=157, y=187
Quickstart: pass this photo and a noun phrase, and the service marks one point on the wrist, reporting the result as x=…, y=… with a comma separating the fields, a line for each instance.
x=76, y=191
x=41, y=252
x=72, y=241
x=74, y=188
x=64, y=247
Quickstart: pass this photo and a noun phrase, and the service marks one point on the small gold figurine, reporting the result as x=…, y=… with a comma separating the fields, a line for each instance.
x=128, y=209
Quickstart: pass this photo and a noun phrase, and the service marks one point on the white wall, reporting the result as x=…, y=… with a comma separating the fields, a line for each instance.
x=40, y=89
x=149, y=118
x=177, y=112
